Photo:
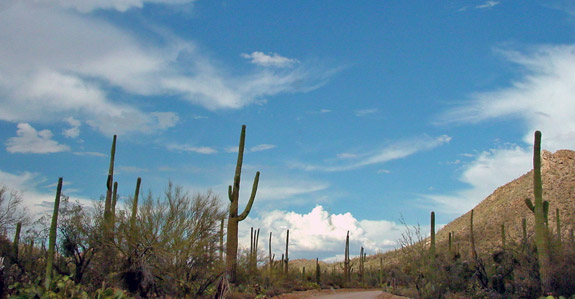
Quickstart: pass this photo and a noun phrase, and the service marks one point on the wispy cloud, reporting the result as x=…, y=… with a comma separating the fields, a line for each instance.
x=490, y=170
x=270, y=60
x=132, y=169
x=364, y=112
x=206, y=150
x=119, y=5
x=36, y=199
x=95, y=154
x=82, y=56
x=30, y=141
x=488, y=4
x=262, y=147
x=270, y=189
x=542, y=99
x=395, y=151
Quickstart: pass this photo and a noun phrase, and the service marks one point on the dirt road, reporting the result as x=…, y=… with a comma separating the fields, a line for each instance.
x=352, y=295
x=339, y=294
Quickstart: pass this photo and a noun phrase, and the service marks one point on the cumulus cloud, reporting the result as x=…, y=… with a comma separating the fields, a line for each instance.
x=395, y=151
x=271, y=60
x=31, y=141
x=322, y=234
x=82, y=56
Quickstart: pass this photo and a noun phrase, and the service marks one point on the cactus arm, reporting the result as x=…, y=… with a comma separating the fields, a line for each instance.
x=529, y=205
x=546, y=212
x=230, y=193
x=248, y=208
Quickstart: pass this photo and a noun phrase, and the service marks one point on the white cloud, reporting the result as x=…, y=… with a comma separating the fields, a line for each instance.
x=271, y=60
x=542, y=99
x=30, y=141
x=270, y=189
x=74, y=131
x=346, y=156
x=132, y=169
x=395, y=151
x=95, y=154
x=206, y=150
x=321, y=234
x=81, y=56
x=87, y=6
x=166, y=119
x=490, y=170
x=364, y=112
x=36, y=200
x=262, y=147
x=488, y=4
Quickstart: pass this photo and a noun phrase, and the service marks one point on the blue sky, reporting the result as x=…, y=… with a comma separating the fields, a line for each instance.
x=357, y=113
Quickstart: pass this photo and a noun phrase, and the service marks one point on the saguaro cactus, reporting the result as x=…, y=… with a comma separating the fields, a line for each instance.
x=540, y=208
x=286, y=260
x=52, y=238
x=558, y=224
x=108, y=226
x=472, y=238
x=271, y=260
x=134, y=215
x=346, y=265
x=503, y=235
x=234, y=218
x=362, y=258
x=317, y=271
x=253, y=259
x=432, y=246
x=16, y=242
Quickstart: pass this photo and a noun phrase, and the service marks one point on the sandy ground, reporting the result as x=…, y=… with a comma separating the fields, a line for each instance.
x=340, y=294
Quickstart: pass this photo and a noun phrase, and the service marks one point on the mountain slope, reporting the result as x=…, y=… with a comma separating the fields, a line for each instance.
x=507, y=206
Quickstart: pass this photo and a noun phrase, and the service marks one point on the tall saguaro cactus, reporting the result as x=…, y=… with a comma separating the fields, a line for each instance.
x=52, y=238
x=16, y=242
x=346, y=263
x=286, y=260
x=234, y=218
x=541, y=209
x=472, y=237
x=108, y=217
x=432, y=246
x=134, y=215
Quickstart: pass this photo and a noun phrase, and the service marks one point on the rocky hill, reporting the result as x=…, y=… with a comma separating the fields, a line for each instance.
x=507, y=206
